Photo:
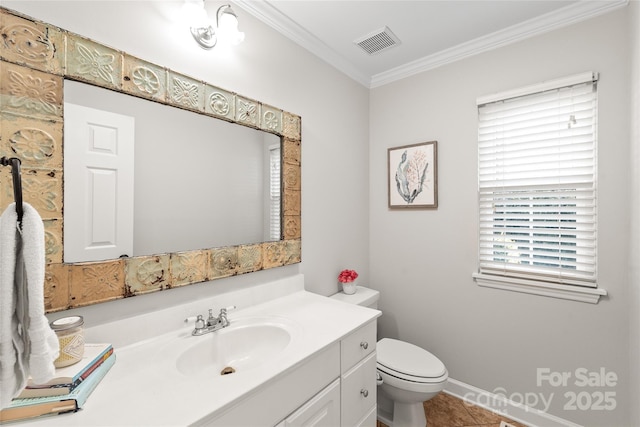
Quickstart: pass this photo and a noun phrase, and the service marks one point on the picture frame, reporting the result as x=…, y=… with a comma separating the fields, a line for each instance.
x=413, y=176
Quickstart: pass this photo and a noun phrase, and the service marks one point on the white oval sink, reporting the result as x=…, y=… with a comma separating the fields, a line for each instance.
x=242, y=346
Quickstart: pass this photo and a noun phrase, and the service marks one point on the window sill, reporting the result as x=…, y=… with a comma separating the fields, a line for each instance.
x=553, y=290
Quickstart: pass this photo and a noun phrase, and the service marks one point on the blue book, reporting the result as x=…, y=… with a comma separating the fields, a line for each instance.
x=69, y=374
x=36, y=406
x=68, y=378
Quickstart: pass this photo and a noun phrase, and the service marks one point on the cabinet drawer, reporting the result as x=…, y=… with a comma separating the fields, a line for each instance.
x=370, y=419
x=321, y=411
x=357, y=345
x=358, y=391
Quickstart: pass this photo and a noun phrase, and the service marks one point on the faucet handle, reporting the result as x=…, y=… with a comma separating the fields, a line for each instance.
x=222, y=317
x=199, y=325
x=229, y=308
x=200, y=322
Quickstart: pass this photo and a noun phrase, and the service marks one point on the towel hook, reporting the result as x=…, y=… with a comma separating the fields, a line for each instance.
x=14, y=162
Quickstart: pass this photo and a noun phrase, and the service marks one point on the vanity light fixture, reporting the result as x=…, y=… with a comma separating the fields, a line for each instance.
x=205, y=33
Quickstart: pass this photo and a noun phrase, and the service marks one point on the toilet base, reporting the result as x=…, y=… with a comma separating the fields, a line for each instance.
x=396, y=414
x=408, y=415
x=406, y=419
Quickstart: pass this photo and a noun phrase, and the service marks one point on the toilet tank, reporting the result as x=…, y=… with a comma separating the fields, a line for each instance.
x=365, y=297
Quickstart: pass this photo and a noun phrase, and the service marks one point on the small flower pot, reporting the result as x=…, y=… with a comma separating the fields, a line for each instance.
x=349, y=288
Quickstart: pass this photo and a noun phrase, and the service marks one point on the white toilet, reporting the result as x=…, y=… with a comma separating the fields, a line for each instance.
x=410, y=374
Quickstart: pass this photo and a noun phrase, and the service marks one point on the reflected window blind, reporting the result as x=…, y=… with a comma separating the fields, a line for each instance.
x=275, y=193
x=537, y=185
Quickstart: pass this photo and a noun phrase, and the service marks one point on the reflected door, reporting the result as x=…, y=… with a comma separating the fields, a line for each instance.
x=98, y=185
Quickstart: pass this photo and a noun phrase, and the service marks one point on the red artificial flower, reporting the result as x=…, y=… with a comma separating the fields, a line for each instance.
x=347, y=276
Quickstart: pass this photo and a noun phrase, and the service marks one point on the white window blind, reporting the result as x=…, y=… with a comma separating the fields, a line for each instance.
x=537, y=185
x=274, y=192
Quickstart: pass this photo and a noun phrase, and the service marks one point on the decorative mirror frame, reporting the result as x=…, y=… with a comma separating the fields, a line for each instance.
x=35, y=59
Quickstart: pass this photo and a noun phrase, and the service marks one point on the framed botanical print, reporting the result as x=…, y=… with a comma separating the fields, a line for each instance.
x=413, y=176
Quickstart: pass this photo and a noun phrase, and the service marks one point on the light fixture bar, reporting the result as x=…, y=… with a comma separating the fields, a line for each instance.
x=205, y=36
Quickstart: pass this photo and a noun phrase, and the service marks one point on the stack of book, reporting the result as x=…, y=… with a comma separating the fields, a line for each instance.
x=67, y=391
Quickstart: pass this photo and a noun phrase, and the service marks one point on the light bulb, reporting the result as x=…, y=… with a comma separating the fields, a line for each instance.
x=194, y=14
x=228, y=27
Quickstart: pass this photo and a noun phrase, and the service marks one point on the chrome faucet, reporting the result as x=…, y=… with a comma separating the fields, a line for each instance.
x=222, y=317
x=212, y=323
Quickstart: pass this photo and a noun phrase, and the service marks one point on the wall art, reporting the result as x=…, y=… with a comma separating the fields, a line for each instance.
x=413, y=176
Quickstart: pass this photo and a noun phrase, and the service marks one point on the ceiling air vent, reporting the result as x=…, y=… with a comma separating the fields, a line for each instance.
x=378, y=41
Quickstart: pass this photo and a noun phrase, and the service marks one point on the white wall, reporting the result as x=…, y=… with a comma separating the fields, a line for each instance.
x=422, y=261
x=274, y=70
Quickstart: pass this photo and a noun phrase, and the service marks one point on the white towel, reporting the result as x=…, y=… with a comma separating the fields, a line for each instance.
x=28, y=346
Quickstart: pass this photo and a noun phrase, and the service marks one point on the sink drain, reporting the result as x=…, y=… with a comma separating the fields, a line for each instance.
x=228, y=370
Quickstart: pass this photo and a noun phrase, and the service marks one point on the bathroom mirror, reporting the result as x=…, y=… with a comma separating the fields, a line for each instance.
x=37, y=60
x=223, y=180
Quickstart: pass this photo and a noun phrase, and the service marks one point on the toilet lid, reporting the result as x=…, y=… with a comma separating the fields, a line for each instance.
x=408, y=359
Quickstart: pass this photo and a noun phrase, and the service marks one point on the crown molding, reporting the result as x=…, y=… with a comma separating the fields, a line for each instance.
x=563, y=17
x=271, y=16
x=568, y=15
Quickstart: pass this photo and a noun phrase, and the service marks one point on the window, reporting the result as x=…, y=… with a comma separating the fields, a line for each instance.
x=274, y=192
x=537, y=189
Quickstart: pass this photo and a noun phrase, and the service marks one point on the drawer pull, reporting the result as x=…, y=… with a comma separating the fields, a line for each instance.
x=364, y=392
x=364, y=345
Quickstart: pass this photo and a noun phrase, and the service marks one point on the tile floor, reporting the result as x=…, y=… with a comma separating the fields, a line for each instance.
x=445, y=410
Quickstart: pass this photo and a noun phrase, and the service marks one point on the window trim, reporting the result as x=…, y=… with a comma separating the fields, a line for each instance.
x=539, y=87
x=539, y=286
x=535, y=287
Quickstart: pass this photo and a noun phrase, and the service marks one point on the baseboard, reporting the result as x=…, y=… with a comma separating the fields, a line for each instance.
x=499, y=404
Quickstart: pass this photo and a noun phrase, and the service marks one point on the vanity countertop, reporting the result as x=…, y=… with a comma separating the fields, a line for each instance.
x=144, y=388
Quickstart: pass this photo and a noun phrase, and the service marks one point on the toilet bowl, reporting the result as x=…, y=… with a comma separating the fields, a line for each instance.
x=410, y=374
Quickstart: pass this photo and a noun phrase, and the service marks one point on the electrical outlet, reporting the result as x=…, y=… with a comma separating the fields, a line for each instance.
x=506, y=424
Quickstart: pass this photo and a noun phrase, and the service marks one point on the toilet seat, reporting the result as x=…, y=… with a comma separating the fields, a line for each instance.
x=409, y=362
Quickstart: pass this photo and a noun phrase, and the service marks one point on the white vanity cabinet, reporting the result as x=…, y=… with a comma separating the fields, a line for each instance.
x=323, y=410
x=350, y=400
x=324, y=376
x=358, y=377
x=359, y=393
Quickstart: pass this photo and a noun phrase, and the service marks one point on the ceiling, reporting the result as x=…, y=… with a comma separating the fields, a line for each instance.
x=431, y=33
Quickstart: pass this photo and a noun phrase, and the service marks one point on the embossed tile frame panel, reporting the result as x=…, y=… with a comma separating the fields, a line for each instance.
x=35, y=58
